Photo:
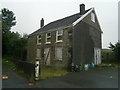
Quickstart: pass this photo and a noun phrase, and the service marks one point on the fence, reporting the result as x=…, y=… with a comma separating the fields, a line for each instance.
x=27, y=67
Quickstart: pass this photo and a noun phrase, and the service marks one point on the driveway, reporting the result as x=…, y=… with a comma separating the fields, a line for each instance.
x=14, y=80
x=84, y=79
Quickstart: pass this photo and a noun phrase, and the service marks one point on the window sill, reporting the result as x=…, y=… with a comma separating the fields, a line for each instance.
x=38, y=58
x=48, y=43
x=93, y=21
x=58, y=60
x=58, y=41
x=38, y=43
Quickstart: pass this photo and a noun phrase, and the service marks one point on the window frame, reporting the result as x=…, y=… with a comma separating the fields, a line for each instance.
x=57, y=35
x=39, y=38
x=48, y=42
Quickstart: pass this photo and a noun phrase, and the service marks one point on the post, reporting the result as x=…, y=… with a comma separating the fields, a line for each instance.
x=37, y=69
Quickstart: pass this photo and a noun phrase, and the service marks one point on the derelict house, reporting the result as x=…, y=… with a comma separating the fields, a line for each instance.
x=75, y=39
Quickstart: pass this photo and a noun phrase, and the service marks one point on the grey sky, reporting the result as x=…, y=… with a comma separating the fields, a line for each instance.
x=119, y=21
x=28, y=15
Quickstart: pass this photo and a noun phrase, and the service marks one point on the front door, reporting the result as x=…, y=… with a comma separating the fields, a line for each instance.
x=47, y=56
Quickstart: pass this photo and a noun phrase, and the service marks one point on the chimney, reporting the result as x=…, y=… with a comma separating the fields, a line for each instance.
x=82, y=9
x=42, y=22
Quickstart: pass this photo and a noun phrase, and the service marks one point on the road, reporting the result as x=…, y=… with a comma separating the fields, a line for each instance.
x=84, y=79
x=14, y=80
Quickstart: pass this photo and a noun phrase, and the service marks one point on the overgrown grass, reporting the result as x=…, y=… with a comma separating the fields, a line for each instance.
x=8, y=64
x=46, y=71
x=50, y=72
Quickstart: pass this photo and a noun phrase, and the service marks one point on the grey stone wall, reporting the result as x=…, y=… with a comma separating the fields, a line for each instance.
x=66, y=44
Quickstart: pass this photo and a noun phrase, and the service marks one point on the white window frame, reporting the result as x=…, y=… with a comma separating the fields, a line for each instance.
x=56, y=53
x=48, y=37
x=93, y=17
x=57, y=35
x=39, y=38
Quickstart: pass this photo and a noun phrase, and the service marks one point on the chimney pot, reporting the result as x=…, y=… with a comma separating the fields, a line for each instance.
x=42, y=22
x=82, y=9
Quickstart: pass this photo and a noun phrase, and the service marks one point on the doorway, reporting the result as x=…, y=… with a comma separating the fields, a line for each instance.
x=47, y=56
x=97, y=56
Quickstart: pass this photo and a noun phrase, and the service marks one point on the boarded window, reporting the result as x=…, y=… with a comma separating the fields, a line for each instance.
x=93, y=17
x=59, y=35
x=58, y=53
x=48, y=37
x=38, y=39
x=38, y=53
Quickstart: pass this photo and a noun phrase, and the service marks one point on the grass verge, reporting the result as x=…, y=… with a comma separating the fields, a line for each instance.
x=8, y=64
x=50, y=72
x=46, y=71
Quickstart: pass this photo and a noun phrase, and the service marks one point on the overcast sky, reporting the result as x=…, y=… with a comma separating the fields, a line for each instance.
x=29, y=14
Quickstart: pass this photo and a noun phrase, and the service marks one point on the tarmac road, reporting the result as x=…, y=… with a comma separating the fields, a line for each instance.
x=14, y=80
x=85, y=79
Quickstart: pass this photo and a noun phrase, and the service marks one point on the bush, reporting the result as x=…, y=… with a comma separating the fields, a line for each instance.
x=108, y=56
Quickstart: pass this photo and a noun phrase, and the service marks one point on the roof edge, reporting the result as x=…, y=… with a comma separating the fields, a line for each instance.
x=78, y=20
x=50, y=30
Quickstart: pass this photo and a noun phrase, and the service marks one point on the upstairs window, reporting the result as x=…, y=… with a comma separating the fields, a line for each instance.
x=39, y=39
x=59, y=36
x=48, y=37
x=93, y=17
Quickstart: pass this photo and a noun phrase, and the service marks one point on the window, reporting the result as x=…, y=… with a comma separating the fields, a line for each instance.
x=38, y=53
x=59, y=36
x=39, y=39
x=48, y=37
x=58, y=53
x=93, y=17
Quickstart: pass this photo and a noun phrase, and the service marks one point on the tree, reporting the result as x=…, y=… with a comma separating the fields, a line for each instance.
x=8, y=20
x=116, y=49
x=13, y=44
x=21, y=48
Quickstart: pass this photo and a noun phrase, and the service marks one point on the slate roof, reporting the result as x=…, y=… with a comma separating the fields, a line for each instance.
x=58, y=23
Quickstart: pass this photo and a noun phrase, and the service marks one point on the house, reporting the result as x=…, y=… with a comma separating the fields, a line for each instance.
x=75, y=39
